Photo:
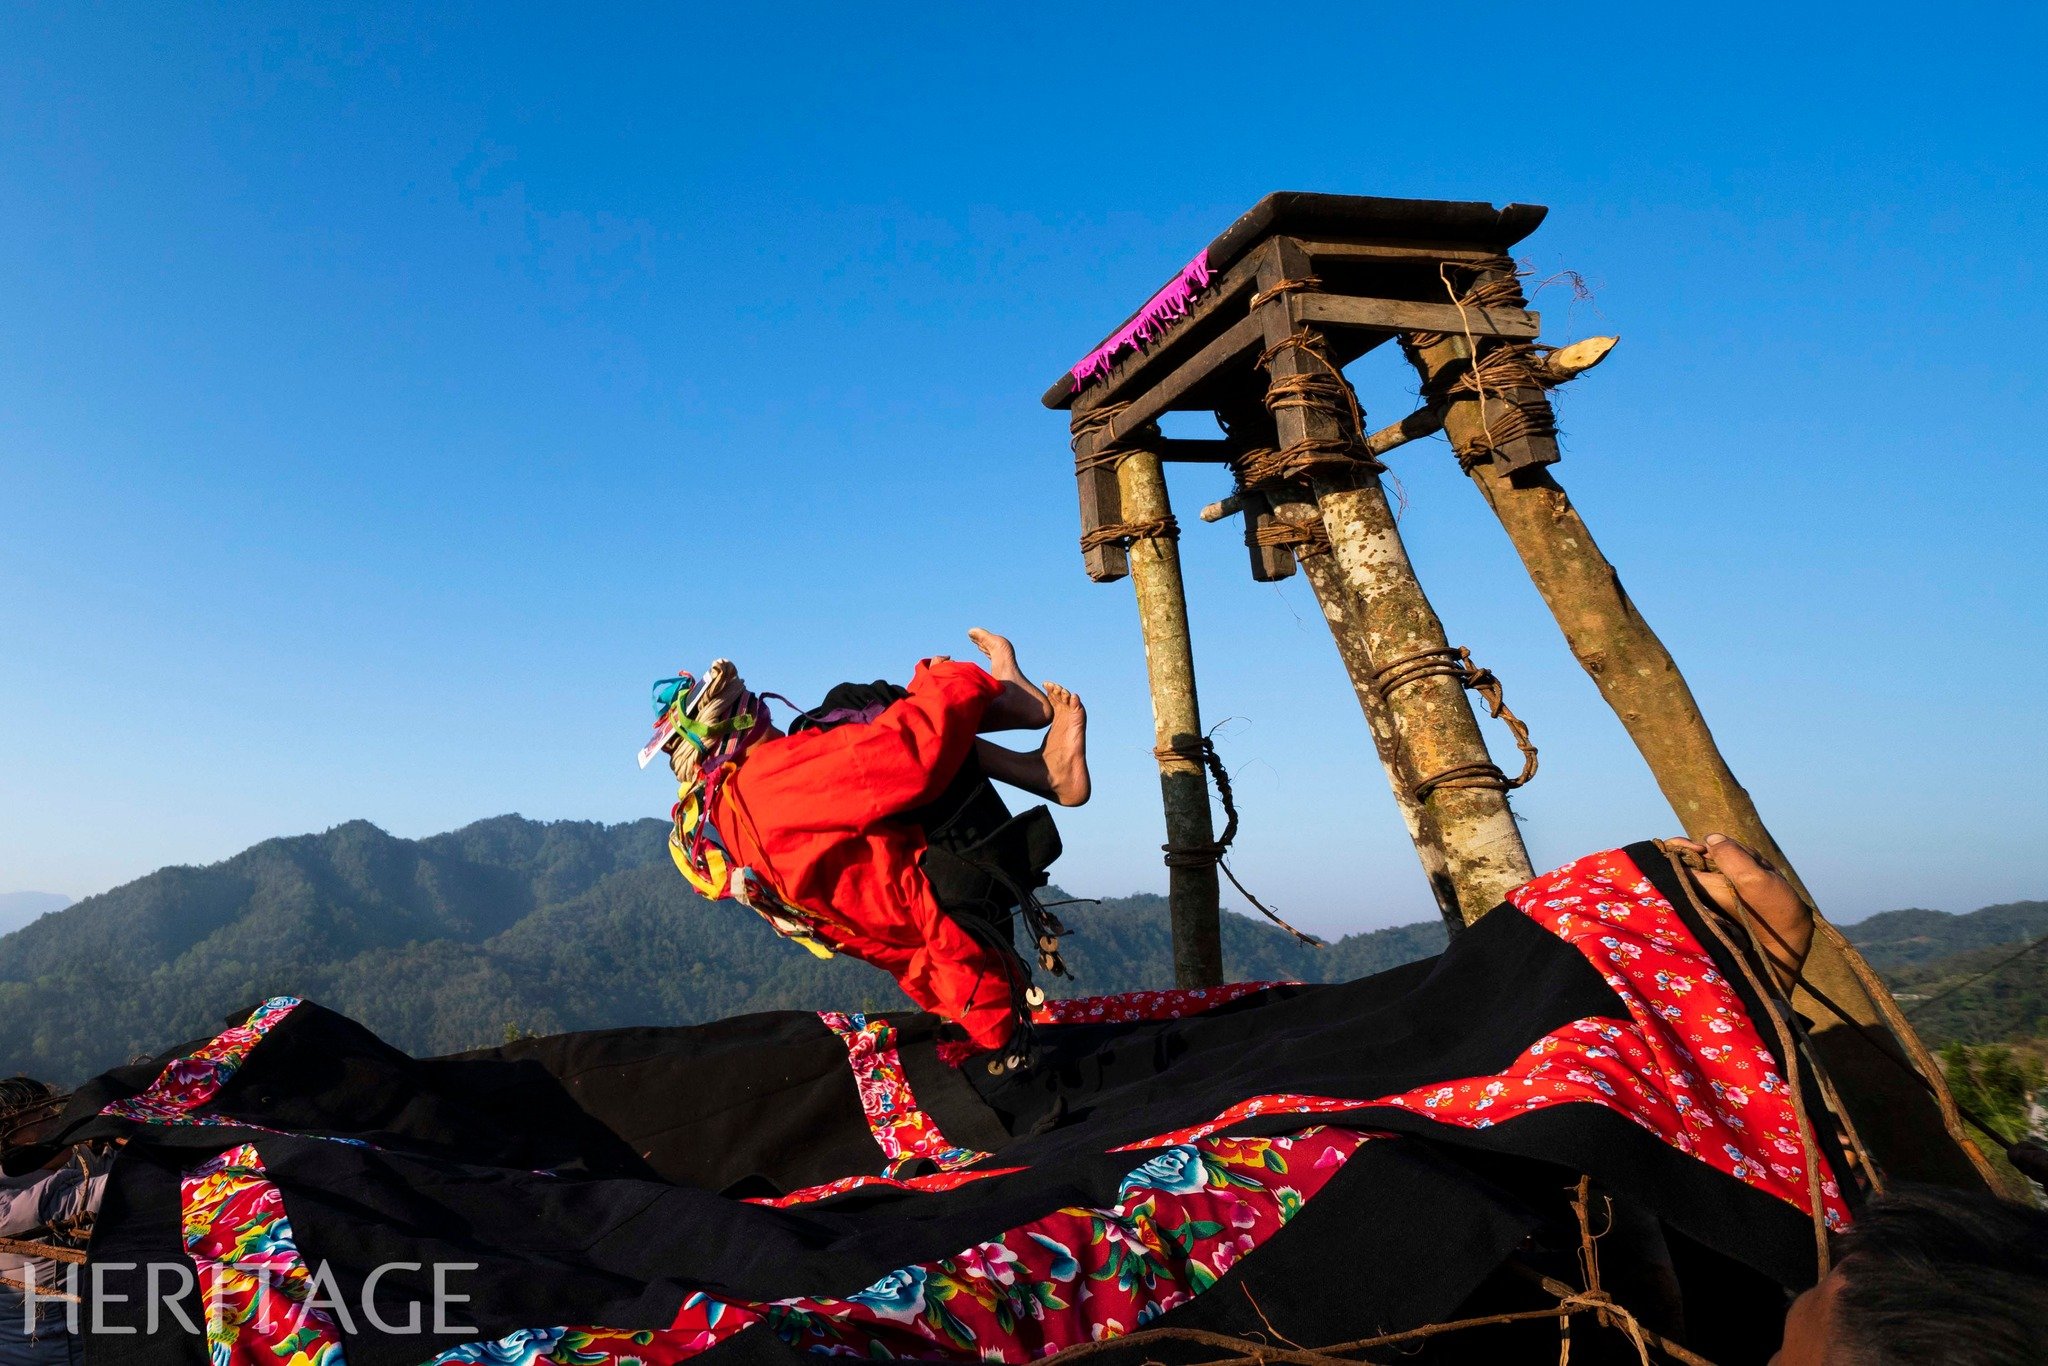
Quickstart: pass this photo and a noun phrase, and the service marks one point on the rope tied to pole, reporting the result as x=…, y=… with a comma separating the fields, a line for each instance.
x=1304, y=460
x=1310, y=344
x=1100, y=422
x=1508, y=373
x=1108, y=458
x=1328, y=393
x=1306, y=539
x=1127, y=534
x=1512, y=379
x=1495, y=284
x=1299, y=284
x=1455, y=661
x=1201, y=753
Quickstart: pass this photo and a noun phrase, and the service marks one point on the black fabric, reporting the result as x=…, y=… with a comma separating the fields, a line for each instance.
x=590, y=1176
x=761, y=1096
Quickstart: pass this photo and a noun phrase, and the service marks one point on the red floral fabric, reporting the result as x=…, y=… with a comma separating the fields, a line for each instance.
x=903, y=1132
x=194, y=1080
x=251, y=1277
x=1688, y=1064
x=935, y=1181
x=1181, y=1220
x=1146, y=1005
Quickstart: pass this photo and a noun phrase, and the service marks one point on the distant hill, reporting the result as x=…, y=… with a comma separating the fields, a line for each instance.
x=18, y=908
x=1952, y=999
x=442, y=943
x=1901, y=938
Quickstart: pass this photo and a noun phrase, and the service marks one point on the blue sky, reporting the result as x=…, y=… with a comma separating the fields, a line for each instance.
x=385, y=400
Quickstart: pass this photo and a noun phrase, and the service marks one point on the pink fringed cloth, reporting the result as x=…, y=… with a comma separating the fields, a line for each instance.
x=1161, y=311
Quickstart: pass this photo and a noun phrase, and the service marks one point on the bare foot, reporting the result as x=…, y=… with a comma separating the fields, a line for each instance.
x=1066, y=747
x=1019, y=713
x=1786, y=928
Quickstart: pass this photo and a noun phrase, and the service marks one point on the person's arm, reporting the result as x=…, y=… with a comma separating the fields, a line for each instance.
x=21, y=1209
x=56, y=1197
x=75, y=1198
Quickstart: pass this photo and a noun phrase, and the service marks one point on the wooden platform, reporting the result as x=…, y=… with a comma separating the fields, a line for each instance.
x=1378, y=261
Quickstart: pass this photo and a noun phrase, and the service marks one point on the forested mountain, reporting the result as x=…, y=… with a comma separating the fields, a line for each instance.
x=443, y=943
x=1962, y=977
x=1898, y=939
x=1986, y=995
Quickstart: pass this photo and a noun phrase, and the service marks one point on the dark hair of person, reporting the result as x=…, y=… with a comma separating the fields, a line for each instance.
x=1939, y=1277
x=19, y=1093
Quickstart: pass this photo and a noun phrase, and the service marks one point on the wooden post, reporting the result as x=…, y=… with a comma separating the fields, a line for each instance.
x=1154, y=567
x=1637, y=676
x=1343, y=615
x=1393, y=621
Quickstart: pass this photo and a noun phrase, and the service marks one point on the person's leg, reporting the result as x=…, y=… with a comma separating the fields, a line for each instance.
x=1056, y=770
x=1020, y=706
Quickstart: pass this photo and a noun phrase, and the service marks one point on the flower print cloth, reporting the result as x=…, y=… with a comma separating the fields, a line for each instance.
x=824, y=1184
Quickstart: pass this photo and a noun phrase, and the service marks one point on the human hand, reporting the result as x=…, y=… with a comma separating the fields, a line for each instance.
x=1783, y=921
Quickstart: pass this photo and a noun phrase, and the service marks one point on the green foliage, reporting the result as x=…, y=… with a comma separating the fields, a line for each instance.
x=506, y=926
x=1976, y=997
x=1995, y=1085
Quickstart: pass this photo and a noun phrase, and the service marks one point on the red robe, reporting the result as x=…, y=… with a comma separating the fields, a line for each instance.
x=816, y=815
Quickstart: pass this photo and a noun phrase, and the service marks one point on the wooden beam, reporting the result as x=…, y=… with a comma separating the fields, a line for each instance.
x=1569, y=362
x=1418, y=424
x=1235, y=285
x=1244, y=337
x=1101, y=503
x=1399, y=315
x=1419, y=253
x=1270, y=563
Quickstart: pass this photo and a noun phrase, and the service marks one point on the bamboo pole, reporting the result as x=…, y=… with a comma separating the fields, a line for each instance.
x=1638, y=678
x=1432, y=718
x=1192, y=893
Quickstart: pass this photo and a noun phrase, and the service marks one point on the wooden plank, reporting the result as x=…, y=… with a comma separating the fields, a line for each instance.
x=1270, y=563
x=1236, y=285
x=1422, y=253
x=1246, y=336
x=1399, y=315
x=1296, y=213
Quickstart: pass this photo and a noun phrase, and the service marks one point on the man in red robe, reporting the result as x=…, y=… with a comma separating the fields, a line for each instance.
x=825, y=820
